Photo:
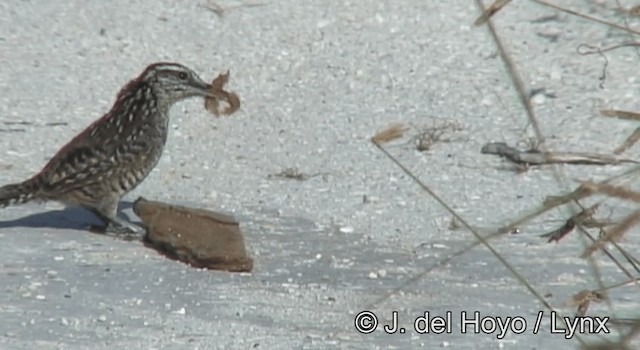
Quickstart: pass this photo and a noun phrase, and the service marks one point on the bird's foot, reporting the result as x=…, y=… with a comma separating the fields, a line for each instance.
x=127, y=232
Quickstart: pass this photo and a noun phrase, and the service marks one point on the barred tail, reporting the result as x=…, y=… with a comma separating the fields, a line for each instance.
x=19, y=193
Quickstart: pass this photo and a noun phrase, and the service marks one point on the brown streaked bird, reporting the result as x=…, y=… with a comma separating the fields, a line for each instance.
x=116, y=153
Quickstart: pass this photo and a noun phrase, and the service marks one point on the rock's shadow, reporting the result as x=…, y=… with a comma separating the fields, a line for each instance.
x=73, y=218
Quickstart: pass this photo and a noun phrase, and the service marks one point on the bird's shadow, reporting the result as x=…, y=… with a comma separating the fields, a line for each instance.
x=70, y=218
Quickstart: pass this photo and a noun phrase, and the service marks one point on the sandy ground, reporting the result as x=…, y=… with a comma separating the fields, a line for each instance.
x=317, y=79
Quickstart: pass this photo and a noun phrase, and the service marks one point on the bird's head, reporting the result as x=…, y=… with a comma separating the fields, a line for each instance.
x=173, y=82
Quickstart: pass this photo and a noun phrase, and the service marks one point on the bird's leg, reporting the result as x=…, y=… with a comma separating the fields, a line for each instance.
x=108, y=213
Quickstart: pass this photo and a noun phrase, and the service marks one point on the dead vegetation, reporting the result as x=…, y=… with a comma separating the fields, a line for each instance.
x=220, y=9
x=294, y=174
x=390, y=133
x=427, y=136
x=441, y=132
x=602, y=236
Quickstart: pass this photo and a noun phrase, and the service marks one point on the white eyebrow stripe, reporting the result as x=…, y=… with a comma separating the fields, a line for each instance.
x=171, y=67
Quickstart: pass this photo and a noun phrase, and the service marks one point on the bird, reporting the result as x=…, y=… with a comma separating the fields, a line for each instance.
x=114, y=154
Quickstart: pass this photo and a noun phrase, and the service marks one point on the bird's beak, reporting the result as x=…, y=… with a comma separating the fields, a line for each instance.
x=201, y=88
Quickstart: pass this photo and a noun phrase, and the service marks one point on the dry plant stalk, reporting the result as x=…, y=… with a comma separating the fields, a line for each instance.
x=490, y=11
x=570, y=224
x=634, y=137
x=580, y=192
x=615, y=233
x=613, y=191
x=583, y=299
x=629, y=142
x=231, y=99
x=633, y=11
x=394, y=131
x=615, y=113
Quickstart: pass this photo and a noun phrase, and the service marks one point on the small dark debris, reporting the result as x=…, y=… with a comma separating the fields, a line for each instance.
x=545, y=19
x=541, y=91
x=18, y=123
x=293, y=174
x=570, y=224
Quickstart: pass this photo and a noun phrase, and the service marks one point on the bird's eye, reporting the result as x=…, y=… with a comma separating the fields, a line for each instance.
x=182, y=76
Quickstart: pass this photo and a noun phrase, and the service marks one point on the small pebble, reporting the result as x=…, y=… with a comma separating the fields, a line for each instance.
x=347, y=229
x=538, y=99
